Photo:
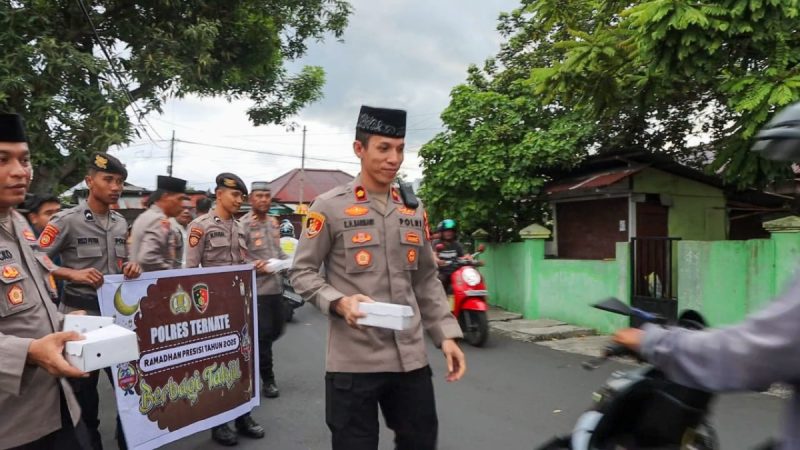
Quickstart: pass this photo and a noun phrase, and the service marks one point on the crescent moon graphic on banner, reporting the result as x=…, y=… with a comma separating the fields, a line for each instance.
x=121, y=307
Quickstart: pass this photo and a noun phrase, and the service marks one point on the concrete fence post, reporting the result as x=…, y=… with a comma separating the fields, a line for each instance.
x=533, y=238
x=786, y=236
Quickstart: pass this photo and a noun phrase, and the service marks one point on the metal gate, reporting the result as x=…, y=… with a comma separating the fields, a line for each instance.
x=652, y=276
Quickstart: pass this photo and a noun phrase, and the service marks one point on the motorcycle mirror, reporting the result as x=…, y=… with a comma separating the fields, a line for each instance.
x=481, y=248
x=692, y=320
x=613, y=305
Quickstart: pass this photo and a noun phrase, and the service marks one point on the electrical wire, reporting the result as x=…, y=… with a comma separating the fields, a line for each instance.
x=137, y=112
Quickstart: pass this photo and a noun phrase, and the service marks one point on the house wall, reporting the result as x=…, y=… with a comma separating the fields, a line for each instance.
x=697, y=211
x=590, y=229
x=724, y=280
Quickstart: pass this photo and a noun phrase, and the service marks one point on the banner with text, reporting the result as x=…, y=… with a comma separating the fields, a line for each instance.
x=198, y=364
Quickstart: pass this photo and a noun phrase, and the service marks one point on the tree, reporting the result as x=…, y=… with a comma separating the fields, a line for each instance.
x=73, y=67
x=692, y=80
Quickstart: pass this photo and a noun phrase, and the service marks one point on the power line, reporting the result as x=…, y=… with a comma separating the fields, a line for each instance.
x=262, y=152
x=137, y=113
x=318, y=134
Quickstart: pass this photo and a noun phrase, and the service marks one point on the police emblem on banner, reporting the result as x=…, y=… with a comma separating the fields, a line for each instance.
x=200, y=297
x=127, y=378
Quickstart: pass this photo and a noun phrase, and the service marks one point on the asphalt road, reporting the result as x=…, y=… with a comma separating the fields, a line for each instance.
x=515, y=396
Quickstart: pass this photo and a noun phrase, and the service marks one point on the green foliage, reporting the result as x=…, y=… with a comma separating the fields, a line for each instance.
x=693, y=80
x=52, y=69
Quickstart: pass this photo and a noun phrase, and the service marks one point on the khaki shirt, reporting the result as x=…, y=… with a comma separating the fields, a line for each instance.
x=181, y=236
x=263, y=242
x=385, y=256
x=29, y=396
x=154, y=243
x=215, y=242
x=82, y=242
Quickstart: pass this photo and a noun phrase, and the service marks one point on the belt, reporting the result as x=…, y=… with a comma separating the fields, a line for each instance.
x=81, y=301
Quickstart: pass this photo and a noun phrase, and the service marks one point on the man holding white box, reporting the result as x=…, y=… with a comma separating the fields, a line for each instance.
x=263, y=243
x=38, y=406
x=376, y=247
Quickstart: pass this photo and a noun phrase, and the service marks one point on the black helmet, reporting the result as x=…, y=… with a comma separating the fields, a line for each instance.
x=448, y=224
x=286, y=228
x=779, y=140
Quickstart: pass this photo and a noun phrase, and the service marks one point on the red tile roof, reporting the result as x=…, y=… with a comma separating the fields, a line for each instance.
x=595, y=180
x=286, y=188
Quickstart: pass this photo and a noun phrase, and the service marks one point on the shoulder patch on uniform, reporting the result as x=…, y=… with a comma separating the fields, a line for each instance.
x=314, y=224
x=195, y=234
x=49, y=235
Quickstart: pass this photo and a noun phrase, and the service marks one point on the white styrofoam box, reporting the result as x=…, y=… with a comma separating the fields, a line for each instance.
x=276, y=265
x=83, y=324
x=386, y=315
x=103, y=347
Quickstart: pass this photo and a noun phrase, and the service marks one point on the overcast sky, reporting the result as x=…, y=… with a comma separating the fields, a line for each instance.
x=404, y=54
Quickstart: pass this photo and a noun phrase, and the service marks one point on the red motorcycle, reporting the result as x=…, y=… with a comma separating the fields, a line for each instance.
x=468, y=296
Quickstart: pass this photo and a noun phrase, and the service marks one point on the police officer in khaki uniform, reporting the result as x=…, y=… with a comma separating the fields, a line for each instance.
x=375, y=247
x=263, y=242
x=218, y=239
x=38, y=406
x=90, y=240
x=155, y=245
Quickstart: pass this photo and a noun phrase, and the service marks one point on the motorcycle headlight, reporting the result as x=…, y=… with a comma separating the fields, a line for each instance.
x=471, y=276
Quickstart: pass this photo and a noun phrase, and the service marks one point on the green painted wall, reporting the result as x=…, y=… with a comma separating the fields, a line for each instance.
x=519, y=279
x=724, y=280
x=565, y=289
x=698, y=210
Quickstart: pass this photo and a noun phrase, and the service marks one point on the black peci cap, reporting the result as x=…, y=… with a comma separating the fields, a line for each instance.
x=382, y=121
x=12, y=128
x=170, y=184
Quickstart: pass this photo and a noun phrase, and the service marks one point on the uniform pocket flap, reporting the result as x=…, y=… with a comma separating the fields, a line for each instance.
x=219, y=242
x=89, y=251
x=361, y=238
x=411, y=236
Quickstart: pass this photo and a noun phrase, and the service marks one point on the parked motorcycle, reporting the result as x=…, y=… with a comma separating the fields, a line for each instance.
x=640, y=408
x=468, y=297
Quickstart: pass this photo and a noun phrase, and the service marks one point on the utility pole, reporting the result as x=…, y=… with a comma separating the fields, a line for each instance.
x=302, y=171
x=171, y=153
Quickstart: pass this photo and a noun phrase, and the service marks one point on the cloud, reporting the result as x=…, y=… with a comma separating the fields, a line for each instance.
x=396, y=53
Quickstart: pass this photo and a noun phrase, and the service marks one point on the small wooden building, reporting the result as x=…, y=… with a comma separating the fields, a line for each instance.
x=612, y=198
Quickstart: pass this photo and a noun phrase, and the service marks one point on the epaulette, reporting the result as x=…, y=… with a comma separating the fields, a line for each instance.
x=335, y=192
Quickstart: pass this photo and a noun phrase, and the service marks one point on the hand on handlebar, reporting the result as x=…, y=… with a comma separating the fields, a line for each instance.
x=630, y=338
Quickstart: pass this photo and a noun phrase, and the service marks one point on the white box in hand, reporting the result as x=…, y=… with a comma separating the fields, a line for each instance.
x=276, y=265
x=83, y=323
x=386, y=315
x=103, y=347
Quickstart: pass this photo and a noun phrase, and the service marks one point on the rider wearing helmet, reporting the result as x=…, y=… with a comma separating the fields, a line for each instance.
x=448, y=229
x=288, y=241
x=762, y=350
x=448, y=249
